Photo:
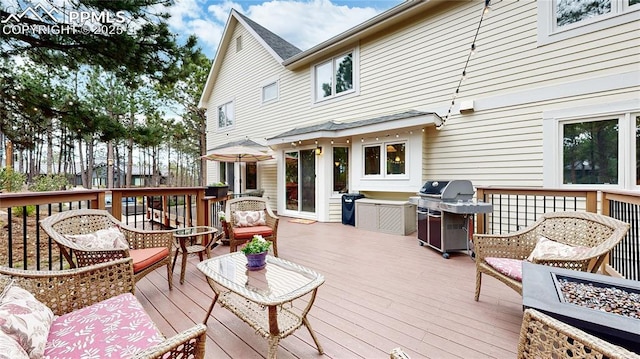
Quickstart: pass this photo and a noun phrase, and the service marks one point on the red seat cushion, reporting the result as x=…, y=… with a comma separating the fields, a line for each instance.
x=512, y=268
x=143, y=258
x=248, y=232
x=114, y=328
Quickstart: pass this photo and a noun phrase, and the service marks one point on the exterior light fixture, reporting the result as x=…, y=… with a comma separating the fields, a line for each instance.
x=318, y=150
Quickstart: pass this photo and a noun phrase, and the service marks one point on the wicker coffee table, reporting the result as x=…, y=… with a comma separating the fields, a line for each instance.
x=259, y=297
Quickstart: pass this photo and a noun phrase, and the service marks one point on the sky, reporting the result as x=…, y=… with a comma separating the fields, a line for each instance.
x=304, y=23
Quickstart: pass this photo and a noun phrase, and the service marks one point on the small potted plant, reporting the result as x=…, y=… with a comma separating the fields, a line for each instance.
x=218, y=190
x=256, y=252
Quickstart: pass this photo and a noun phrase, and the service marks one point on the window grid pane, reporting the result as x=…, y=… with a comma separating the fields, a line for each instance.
x=344, y=73
x=396, y=159
x=372, y=160
x=270, y=92
x=341, y=169
x=225, y=115
x=572, y=11
x=324, y=80
x=590, y=152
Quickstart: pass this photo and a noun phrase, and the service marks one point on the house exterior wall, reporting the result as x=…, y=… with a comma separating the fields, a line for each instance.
x=513, y=80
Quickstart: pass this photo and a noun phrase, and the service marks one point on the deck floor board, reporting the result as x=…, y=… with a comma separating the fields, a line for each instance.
x=381, y=291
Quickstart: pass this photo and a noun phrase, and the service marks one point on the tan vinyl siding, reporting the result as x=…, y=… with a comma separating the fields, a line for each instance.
x=417, y=65
x=335, y=210
x=267, y=170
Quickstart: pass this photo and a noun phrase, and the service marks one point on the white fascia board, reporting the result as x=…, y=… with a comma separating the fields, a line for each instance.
x=415, y=122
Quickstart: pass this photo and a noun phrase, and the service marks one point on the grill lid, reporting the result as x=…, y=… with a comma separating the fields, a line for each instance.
x=433, y=188
x=448, y=191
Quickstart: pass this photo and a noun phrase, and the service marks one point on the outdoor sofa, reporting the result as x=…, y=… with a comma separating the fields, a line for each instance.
x=84, y=312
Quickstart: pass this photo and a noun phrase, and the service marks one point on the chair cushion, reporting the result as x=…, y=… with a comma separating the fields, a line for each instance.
x=248, y=232
x=548, y=249
x=249, y=218
x=109, y=238
x=25, y=319
x=114, y=328
x=146, y=257
x=512, y=268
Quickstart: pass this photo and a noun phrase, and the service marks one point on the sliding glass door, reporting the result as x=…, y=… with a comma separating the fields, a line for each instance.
x=300, y=181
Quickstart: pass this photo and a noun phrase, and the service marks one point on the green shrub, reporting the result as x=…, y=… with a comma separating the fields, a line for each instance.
x=45, y=183
x=10, y=180
x=18, y=211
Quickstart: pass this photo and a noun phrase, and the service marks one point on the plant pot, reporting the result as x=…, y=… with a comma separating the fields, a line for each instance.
x=256, y=261
x=216, y=191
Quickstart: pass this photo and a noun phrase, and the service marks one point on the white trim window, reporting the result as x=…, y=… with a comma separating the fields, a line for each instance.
x=563, y=19
x=270, y=92
x=597, y=149
x=226, y=116
x=335, y=77
x=387, y=159
x=340, y=169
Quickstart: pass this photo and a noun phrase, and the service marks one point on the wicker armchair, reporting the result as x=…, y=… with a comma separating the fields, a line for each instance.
x=239, y=235
x=149, y=249
x=65, y=291
x=542, y=336
x=597, y=232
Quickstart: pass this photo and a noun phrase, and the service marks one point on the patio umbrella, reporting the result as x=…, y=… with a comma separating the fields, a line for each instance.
x=239, y=151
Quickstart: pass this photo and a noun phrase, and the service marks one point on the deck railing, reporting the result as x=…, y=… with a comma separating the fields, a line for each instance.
x=23, y=243
x=172, y=207
x=517, y=208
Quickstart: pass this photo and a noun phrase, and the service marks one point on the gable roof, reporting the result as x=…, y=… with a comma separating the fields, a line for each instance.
x=278, y=47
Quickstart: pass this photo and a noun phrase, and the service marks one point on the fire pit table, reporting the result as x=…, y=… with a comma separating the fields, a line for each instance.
x=600, y=305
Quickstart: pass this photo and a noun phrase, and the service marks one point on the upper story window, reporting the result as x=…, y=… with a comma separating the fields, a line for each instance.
x=238, y=43
x=226, y=115
x=563, y=19
x=270, y=92
x=334, y=77
x=392, y=155
x=572, y=11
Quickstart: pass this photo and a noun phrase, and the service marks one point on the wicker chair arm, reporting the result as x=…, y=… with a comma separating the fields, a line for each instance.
x=542, y=336
x=515, y=246
x=187, y=344
x=67, y=290
x=140, y=239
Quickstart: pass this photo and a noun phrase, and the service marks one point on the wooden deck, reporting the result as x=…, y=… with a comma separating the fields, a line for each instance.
x=381, y=292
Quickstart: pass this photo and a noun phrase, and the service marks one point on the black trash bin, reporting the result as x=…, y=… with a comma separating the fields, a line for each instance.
x=349, y=208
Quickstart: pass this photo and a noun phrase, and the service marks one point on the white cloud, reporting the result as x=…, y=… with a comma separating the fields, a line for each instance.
x=306, y=24
x=302, y=23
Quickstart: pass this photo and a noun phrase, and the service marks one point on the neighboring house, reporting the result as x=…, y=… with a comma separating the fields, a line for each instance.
x=552, y=99
x=140, y=177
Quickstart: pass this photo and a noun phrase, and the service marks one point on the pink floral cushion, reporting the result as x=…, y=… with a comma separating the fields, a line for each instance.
x=114, y=328
x=110, y=238
x=512, y=268
x=548, y=249
x=10, y=349
x=25, y=319
x=249, y=218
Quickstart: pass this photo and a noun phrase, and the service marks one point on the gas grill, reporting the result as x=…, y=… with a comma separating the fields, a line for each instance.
x=445, y=215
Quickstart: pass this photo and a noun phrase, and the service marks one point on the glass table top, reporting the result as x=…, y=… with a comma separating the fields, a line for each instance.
x=190, y=231
x=279, y=282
